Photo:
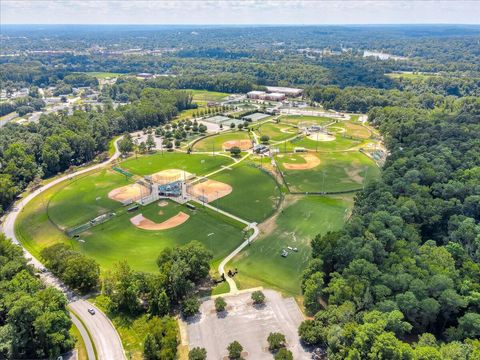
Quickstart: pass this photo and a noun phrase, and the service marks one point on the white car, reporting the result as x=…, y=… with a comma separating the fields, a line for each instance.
x=91, y=311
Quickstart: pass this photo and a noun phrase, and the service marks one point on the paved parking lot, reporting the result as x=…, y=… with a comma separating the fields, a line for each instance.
x=248, y=325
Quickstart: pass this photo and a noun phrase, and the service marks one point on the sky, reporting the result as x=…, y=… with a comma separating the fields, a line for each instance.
x=239, y=12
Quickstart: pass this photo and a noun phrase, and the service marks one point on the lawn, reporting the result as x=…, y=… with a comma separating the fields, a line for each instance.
x=119, y=239
x=303, y=217
x=205, y=95
x=199, y=164
x=338, y=171
x=274, y=131
x=104, y=75
x=296, y=119
x=81, y=200
x=214, y=143
x=255, y=193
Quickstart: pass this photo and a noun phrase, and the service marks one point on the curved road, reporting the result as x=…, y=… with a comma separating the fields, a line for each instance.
x=105, y=337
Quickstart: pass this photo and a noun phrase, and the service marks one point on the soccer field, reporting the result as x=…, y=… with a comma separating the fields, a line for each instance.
x=303, y=217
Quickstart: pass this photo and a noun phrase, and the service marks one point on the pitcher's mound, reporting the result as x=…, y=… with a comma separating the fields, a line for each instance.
x=170, y=175
x=210, y=190
x=142, y=222
x=242, y=144
x=311, y=161
x=131, y=192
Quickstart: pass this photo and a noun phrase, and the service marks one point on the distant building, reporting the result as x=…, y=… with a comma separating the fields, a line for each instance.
x=255, y=94
x=291, y=92
x=145, y=75
x=262, y=95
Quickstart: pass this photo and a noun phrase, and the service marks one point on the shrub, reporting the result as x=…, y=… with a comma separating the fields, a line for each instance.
x=235, y=350
x=220, y=304
x=190, y=306
x=258, y=297
x=275, y=341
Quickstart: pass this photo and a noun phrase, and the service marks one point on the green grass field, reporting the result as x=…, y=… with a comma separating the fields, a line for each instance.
x=340, y=143
x=200, y=164
x=340, y=171
x=255, y=193
x=354, y=129
x=274, y=131
x=214, y=143
x=205, y=95
x=104, y=75
x=260, y=264
x=297, y=119
x=79, y=201
x=118, y=239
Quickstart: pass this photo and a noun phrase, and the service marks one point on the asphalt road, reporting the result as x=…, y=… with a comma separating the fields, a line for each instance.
x=84, y=335
x=105, y=337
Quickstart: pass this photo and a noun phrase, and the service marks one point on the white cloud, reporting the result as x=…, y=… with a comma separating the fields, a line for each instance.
x=238, y=12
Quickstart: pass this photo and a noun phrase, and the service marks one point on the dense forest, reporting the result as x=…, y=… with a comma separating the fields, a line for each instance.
x=406, y=265
x=34, y=321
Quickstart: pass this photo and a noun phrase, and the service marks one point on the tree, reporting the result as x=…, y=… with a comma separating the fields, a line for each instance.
x=125, y=145
x=190, y=306
x=275, y=341
x=235, y=350
x=177, y=143
x=265, y=139
x=258, y=297
x=121, y=287
x=235, y=151
x=232, y=125
x=150, y=142
x=169, y=145
x=240, y=126
x=283, y=354
x=142, y=148
x=197, y=353
x=220, y=304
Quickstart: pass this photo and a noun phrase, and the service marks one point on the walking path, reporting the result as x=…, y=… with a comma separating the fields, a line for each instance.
x=104, y=335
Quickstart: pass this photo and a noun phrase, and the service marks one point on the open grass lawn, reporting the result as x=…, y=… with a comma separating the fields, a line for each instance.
x=199, y=164
x=78, y=201
x=214, y=143
x=255, y=193
x=119, y=239
x=274, y=131
x=103, y=75
x=205, y=95
x=261, y=263
x=339, y=171
x=297, y=119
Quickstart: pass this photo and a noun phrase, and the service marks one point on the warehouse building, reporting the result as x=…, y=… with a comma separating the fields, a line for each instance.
x=290, y=92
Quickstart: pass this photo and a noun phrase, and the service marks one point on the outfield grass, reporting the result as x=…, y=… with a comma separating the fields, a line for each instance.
x=118, y=239
x=340, y=143
x=214, y=143
x=261, y=264
x=274, y=131
x=81, y=200
x=338, y=171
x=255, y=193
x=353, y=129
x=199, y=164
x=297, y=119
